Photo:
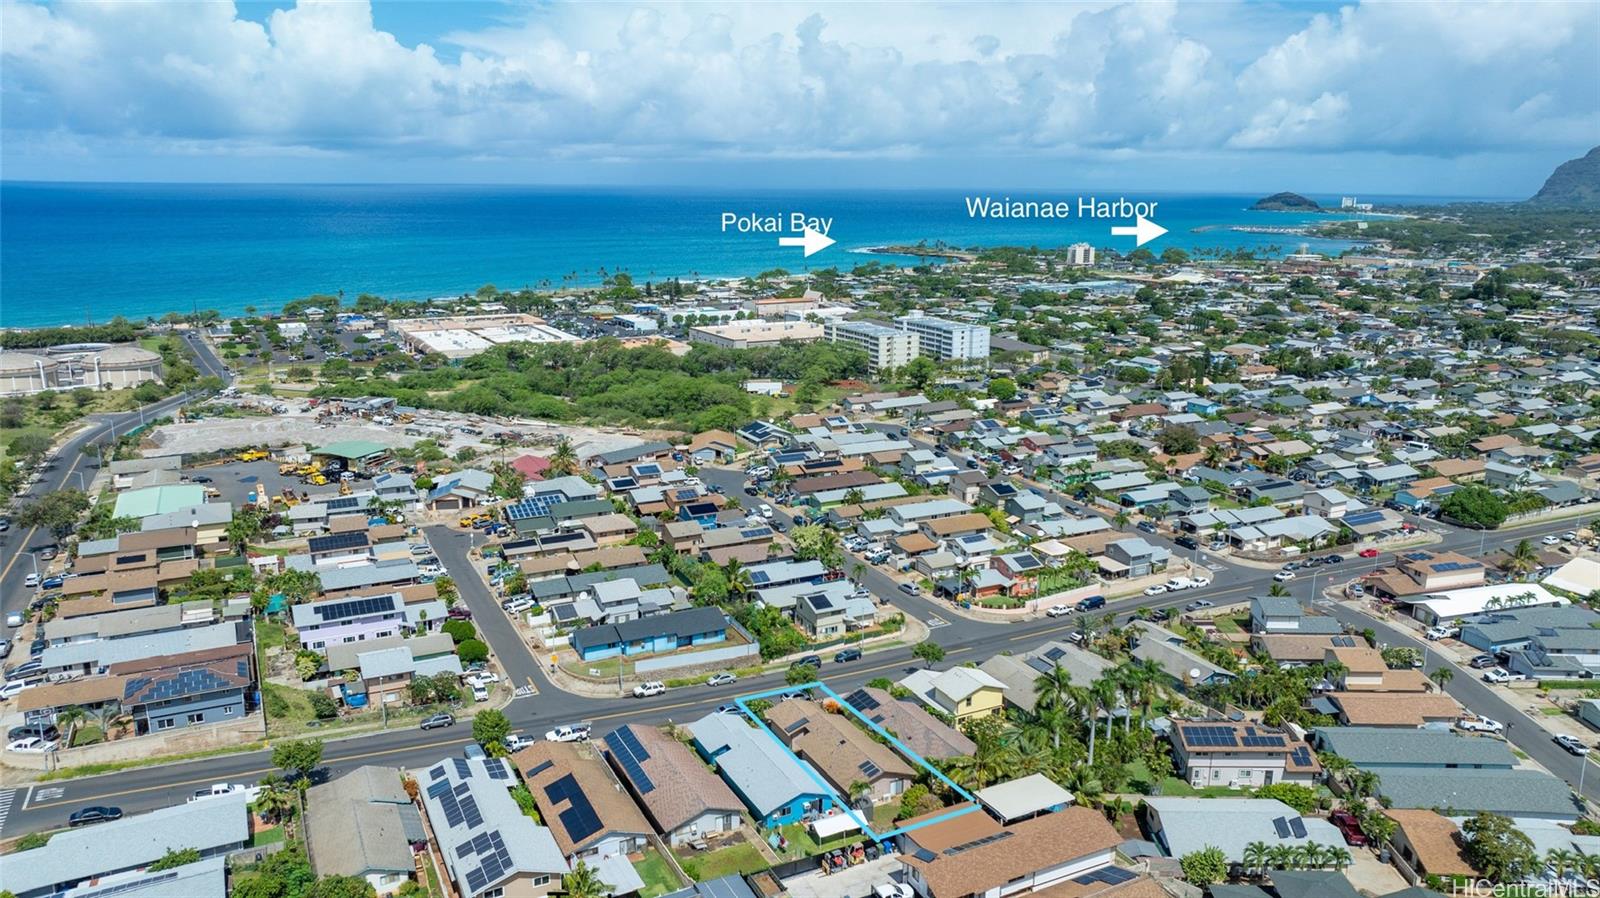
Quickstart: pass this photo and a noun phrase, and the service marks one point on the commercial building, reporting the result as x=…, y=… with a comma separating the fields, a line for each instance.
x=468, y=335
x=886, y=347
x=25, y=372
x=942, y=339
x=751, y=334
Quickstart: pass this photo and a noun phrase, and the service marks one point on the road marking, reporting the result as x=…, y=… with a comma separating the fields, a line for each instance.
x=936, y=622
x=6, y=798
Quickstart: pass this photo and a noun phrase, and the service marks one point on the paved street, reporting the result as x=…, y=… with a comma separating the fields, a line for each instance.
x=516, y=660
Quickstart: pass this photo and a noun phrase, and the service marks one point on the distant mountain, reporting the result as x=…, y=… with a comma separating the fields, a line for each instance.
x=1286, y=202
x=1575, y=182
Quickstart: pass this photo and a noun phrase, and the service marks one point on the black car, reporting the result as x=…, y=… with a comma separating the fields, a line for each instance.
x=438, y=721
x=1333, y=559
x=1188, y=542
x=33, y=731
x=844, y=655
x=1091, y=603
x=199, y=478
x=96, y=814
x=809, y=660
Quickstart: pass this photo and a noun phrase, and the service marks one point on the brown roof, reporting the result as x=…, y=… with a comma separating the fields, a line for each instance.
x=1360, y=660
x=185, y=659
x=713, y=438
x=1093, y=543
x=845, y=481
x=1143, y=887
x=1434, y=839
x=915, y=543
x=1458, y=467
x=611, y=556
x=959, y=523
x=156, y=539
x=1396, y=681
x=582, y=761
x=952, y=831
x=100, y=604
x=684, y=788
x=86, y=691
x=834, y=745
x=1394, y=708
x=347, y=523
x=746, y=553
x=1497, y=441
x=1033, y=845
x=1293, y=646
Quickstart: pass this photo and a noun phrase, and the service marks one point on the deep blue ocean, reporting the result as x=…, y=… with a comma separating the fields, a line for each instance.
x=76, y=252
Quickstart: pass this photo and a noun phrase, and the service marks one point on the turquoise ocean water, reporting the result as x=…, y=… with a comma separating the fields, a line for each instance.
x=72, y=253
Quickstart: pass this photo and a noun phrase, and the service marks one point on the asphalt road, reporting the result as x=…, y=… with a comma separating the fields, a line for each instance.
x=516, y=659
x=16, y=552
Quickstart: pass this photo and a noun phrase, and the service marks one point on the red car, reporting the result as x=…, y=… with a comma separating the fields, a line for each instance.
x=1349, y=827
x=1368, y=553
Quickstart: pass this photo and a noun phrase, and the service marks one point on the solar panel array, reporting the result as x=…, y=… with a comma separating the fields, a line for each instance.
x=497, y=770
x=1457, y=566
x=459, y=806
x=539, y=768
x=334, y=542
x=1209, y=737
x=532, y=508
x=179, y=685
x=1298, y=828
x=463, y=771
x=798, y=725
x=343, y=503
x=355, y=608
x=1256, y=739
x=1281, y=827
x=978, y=843
x=625, y=747
x=494, y=861
x=820, y=602
x=760, y=577
x=1301, y=756
x=869, y=768
x=1056, y=653
x=755, y=532
x=1022, y=561
x=861, y=701
x=1108, y=875
x=1365, y=517
x=1344, y=642
x=579, y=819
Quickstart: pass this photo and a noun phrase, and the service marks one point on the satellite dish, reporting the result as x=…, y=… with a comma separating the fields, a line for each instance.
x=1194, y=673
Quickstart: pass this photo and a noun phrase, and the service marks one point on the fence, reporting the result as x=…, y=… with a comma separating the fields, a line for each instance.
x=707, y=658
x=243, y=731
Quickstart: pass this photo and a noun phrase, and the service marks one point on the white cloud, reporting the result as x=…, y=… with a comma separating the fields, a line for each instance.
x=690, y=81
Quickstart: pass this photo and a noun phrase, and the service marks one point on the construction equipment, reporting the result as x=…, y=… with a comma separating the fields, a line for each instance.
x=316, y=479
x=287, y=468
x=252, y=455
x=344, y=487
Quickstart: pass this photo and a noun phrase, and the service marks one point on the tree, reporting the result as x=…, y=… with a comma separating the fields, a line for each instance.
x=1522, y=558
x=323, y=706
x=276, y=801
x=1498, y=849
x=472, y=651
x=460, y=630
x=1301, y=798
x=175, y=857
x=341, y=887
x=1475, y=506
x=564, y=460
x=68, y=720
x=929, y=652
x=801, y=673
x=1440, y=676
x=1054, y=692
x=297, y=757
x=1204, y=867
x=919, y=372
x=490, y=729
x=1002, y=388
x=56, y=512
x=814, y=542
x=584, y=882
x=1179, y=439
x=1255, y=857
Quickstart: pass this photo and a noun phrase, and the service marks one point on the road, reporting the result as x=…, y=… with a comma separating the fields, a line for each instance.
x=16, y=552
x=516, y=660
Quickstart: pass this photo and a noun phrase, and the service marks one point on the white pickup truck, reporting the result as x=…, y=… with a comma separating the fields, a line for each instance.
x=217, y=790
x=1474, y=724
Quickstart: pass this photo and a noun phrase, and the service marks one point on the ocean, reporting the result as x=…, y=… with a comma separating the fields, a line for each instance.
x=71, y=253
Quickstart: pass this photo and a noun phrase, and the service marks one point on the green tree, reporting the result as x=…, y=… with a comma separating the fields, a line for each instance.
x=472, y=651
x=68, y=720
x=1498, y=849
x=564, y=460
x=1440, y=676
x=929, y=652
x=175, y=857
x=919, y=372
x=490, y=729
x=1179, y=439
x=584, y=882
x=460, y=630
x=341, y=887
x=1002, y=388
x=56, y=512
x=1204, y=867
x=297, y=757
x=801, y=673
x=1475, y=506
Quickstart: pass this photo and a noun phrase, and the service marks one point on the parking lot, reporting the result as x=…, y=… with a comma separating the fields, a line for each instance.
x=850, y=882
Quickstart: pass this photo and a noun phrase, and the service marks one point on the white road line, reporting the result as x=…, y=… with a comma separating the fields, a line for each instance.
x=6, y=797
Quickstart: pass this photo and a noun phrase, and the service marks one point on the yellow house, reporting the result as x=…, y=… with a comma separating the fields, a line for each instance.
x=964, y=693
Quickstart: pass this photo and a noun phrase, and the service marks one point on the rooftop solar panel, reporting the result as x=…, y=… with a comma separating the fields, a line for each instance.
x=861, y=701
x=1281, y=827
x=1298, y=827
x=539, y=768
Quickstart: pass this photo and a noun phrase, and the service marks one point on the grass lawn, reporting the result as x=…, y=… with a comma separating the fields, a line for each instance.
x=267, y=837
x=740, y=858
x=1230, y=624
x=1553, y=712
x=288, y=709
x=1177, y=787
x=801, y=843
x=658, y=875
x=88, y=734
x=270, y=633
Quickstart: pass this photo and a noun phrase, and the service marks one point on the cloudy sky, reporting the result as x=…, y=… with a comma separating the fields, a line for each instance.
x=1458, y=98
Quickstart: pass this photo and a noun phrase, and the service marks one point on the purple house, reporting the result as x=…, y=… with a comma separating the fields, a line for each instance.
x=334, y=621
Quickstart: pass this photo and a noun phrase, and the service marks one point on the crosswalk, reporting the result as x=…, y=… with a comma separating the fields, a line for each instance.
x=6, y=798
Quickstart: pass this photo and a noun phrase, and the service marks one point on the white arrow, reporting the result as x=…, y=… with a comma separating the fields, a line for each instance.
x=813, y=241
x=1143, y=231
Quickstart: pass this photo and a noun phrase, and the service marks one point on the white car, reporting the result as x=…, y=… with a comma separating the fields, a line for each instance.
x=572, y=732
x=1155, y=589
x=1442, y=632
x=480, y=693
x=431, y=570
x=1177, y=583
x=1283, y=576
x=646, y=690
x=1501, y=675
x=12, y=688
x=482, y=677
x=892, y=890
x=766, y=510
x=1058, y=611
x=517, y=742
x=1551, y=540
x=32, y=745
x=31, y=581
x=1199, y=582
x=1571, y=744
x=721, y=679
x=1480, y=725
x=216, y=790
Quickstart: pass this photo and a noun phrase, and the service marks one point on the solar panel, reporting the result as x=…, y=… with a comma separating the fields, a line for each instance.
x=1055, y=654
x=869, y=768
x=463, y=771
x=820, y=602
x=1281, y=826
x=351, y=540
x=797, y=725
x=354, y=608
x=978, y=843
x=497, y=770
x=861, y=701
x=540, y=768
x=1301, y=756
x=1298, y=827
x=760, y=577
x=440, y=788
x=437, y=772
x=627, y=751
x=476, y=881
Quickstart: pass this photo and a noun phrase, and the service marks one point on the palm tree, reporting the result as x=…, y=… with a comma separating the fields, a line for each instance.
x=990, y=760
x=1282, y=857
x=1255, y=856
x=1363, y=783
x=564, y=460
x=1082, y=782
x=1312, y=855
x=1277, y=589
x=584, y=882
x=1053, y=690
x=275, y=801
x=1121, y=518
x=1116, y=808
x=1560, y=860
x=1102, y=697
x=859, y=790
x=107, y=716
x=1339, y=857
x=1522, y=558
x=68, y=720
x=1440, y=676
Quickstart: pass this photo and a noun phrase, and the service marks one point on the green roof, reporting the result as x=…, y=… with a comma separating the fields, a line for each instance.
x=154, y=500
x=352, y=449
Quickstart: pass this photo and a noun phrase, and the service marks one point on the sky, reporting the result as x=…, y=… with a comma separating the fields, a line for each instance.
x=1416, y=98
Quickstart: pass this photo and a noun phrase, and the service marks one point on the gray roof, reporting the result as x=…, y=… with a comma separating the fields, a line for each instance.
x=346, y=655
x=1396, y=747
x=1514, y=793
x=202, y=514
x=129, y=843
x=392, y=570
x=1312, y=884
x=1275, y=606
x=1190, y=824
x=105, y=652
x=202, y=879
x=362, y=822
x=760, y=770
x=461, y=782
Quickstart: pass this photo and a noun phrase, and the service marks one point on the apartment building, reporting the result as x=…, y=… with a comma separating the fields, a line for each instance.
x=751, y=334
x=1080, y=254
x=943, y=339
x=886, y=347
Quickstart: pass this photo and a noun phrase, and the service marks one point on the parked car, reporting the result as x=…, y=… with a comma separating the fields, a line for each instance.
x=1197, y=604
x=14, y=619
x=1442, y=631
x=1474, y=724
x=1349, y=827
x=52, y=583
x=572, y=732
x=1479, y=662
x=1501, y=675
x=473, y=751
x=1057, y=611
x=911, y=589
x=1283, y=576
x=460, y=612
x=480, y=693
x=1146, y=526
x=649, y=689
x=517, y=742
x=721, y=679
x=217, y=790
x=844, y=655
x=892, y=890
x=43, y=731
x=1091, y=603
x=31, y=745
x=12, y=687
x=437, y=721
x=1572, y=744
x=1551, y=540
x=95, y=814
x=1188, y=542
x=1177, y=583
x=1368, y=553
x=31, y=581
x=730, y=709
x=1155, y=589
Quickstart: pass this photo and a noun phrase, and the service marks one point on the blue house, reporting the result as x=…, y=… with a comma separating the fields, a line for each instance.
x=189, y=696
x=771, y=781
x=659, y=633
x=1200, y=406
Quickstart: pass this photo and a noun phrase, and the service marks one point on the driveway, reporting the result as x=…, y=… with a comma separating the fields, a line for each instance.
x=857, y=880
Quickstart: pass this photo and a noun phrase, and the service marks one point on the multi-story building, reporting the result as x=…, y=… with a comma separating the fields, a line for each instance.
x=943, y=339
x=1238, y=754
x=886, y=347
x=750, y=334
x=1081, y=254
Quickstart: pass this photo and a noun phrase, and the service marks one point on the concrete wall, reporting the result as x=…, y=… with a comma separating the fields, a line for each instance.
x=709, y=657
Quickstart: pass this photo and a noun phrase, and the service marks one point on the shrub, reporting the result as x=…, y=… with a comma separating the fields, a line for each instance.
x=324, y=707
x=472, y=650
x=460, y=630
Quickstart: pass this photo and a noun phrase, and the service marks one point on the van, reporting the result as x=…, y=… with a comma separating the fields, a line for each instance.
x=519, y=605
x=1091, y=603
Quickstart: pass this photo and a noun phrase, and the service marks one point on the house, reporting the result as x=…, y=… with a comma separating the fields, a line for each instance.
x=1183, y=825
x=1387, y=476
x=1168, y=651
x=592, y=819
x=1394, y=709
x=1429, y=843
x=1389, y=748
x=660, y=633
x=1362, y=669
x=1512, y=793
x=1501, y=598
x=363, y=824
x=1295, y=649
x=712, y=446
x=771, y=782
x=215, y=827
x=1023, y=798
x=841, y=751
x=190, y=695
x=345, y=620
x=1019, y=672
x=921, y=732
x=1329, y=503
x=490, y=848
x=684, y=800
x=963, y=693
x=1284, y=614
x=1134, y=557
x=391, y=668
x=461, y=490
x=1420, y=571
x=974, y=854
x=1237, y=755
x=826, y=616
